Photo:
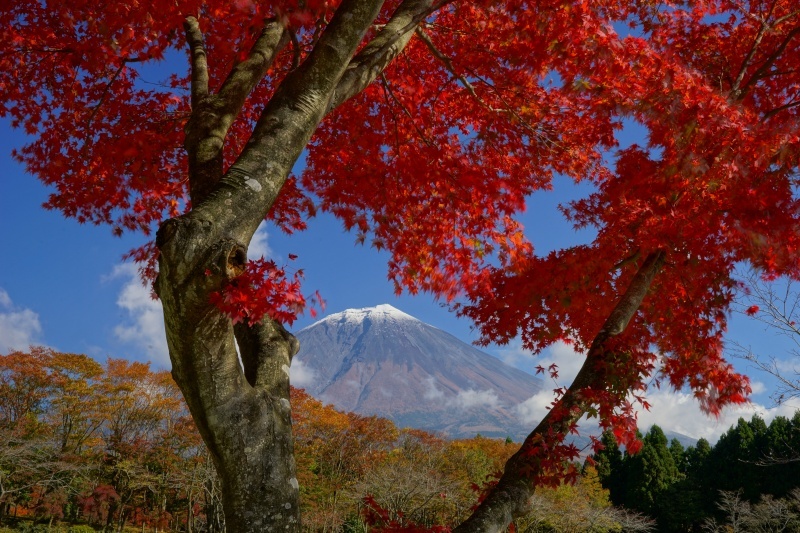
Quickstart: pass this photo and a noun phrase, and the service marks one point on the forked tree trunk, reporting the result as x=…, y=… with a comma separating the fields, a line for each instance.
x=243, y=414
x=510, y=498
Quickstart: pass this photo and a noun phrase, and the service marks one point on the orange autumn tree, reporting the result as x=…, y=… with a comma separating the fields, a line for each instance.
x=104, y=443
x=425, y=125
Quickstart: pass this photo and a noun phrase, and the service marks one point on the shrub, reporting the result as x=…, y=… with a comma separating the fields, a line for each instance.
x=81, y=528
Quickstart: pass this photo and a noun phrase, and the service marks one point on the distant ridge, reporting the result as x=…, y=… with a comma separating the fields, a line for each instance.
x=382, y=361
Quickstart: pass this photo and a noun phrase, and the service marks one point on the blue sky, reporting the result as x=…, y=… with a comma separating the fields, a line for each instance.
x=64, y=285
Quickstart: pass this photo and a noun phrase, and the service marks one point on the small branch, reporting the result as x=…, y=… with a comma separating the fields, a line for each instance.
x=761, y=72
x=449, y=66
x=405, y=110
x=778, y=311
x=737, y=93
x=786, y=17
x=43, y=50
x=628, y=260
x=103, y=96
x=536, y=133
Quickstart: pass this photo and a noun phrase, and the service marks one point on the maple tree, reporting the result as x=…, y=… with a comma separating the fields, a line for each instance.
x=495, y=98
x=715, y=186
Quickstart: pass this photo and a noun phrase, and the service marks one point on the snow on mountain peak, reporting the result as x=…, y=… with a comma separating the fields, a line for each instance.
x=377, y=313
x=388, y=311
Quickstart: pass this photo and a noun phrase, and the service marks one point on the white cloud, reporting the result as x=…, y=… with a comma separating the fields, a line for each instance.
x=259, y=246
x=466, y=399
x=145, y=326
x=757, y=387
x=561, y=354
x=787, y=366
x=514, y=355
x=566, y=359
x=301, y=375
x=532, y=410
x=19, y=328
x=5, y=299
x=432, y=392
x=463, y=399
x=672, y=411
x=680, y=412
x=568, y=363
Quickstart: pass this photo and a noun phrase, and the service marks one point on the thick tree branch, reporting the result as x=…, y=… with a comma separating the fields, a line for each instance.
x=383, y=48
x=227, y=218
x=245, y=417
x=246, y=74
x=197, y=59
x=266, y=349
x=290, y=118
x=213, y=114
x=510, y=498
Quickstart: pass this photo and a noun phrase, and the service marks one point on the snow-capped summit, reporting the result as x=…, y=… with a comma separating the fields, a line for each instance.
x=356, y=316
x=382, y=361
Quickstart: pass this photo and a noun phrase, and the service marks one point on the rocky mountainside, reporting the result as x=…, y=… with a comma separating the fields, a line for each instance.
x=381, y=361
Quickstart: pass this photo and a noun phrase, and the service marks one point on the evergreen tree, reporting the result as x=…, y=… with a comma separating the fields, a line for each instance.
x=697, y=457
x=609, y=466
x=701, y=479
x=678, y=455
x=650, y=473
x=681, y=487
x=779, y=458
x=727, y=458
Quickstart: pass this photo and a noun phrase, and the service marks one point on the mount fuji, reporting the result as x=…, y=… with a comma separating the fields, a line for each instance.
x=381, y=361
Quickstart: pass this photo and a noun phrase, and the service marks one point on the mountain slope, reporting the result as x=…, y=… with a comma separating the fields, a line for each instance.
x=382, y=361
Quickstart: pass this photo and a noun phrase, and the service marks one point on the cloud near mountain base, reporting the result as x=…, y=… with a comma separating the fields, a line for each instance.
x=673, y=411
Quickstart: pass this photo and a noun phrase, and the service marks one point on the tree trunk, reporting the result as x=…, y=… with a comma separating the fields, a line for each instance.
x=510, y=498
x=244, y=417
x=242, y=411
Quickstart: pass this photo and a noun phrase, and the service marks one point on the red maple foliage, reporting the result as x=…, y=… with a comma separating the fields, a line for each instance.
x=435, y=160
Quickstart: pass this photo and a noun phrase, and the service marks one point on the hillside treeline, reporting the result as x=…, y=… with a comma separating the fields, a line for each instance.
x=112, y=446
x=748, y=481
